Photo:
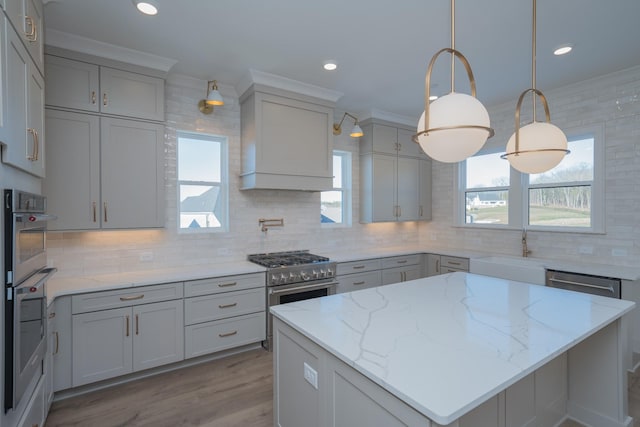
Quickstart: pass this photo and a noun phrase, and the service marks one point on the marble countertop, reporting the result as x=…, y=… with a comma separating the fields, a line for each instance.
x=59, y=285
x=445, y=344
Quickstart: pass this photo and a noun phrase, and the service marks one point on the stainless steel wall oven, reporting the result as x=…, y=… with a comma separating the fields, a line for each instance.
x=25, y=276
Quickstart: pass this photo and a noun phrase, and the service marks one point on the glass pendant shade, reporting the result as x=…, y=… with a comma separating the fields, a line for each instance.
x=542, y=146
x=453, y=135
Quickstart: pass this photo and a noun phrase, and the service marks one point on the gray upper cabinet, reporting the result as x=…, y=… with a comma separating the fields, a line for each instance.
x=287, y=142
x=395, y=176
x=83, y=86
x=26, y=16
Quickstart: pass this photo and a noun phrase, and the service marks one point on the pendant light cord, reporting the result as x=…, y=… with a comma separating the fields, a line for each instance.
x=533, y=60
x=453, y=44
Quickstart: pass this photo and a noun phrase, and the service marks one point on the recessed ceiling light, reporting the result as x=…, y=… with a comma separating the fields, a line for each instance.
x=147, y=7
x=330, y=65
x=563, y=49
x=433, y=97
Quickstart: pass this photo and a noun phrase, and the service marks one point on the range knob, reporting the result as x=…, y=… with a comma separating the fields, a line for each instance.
x=304, y=276
x=274, y=279
x=315, y=274
x=283, y=278
x=329, y=272
x=323, y=273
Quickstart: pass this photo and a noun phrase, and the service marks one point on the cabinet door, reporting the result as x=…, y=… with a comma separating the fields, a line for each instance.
x=102, y=345
x=408, y=189
x=406, y=146
x=424, y=184
x=26, y=17
x=71, y=84
x=3, y=78
x=73, y=164
x=48, y=358
x=383, y=190
x=385, y=139
x=132, y=174
x=131, y=94
x=62, y=347
x=35, y=122
x=158, y=334
x=433, y=265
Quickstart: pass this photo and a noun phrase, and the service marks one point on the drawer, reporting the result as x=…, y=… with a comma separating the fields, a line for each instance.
x=460, y=264
x=218, y=306
x=399, y=261
x=353, y=282
x=128, y=297
x=205, y=338
x=194, y=288
x=357, y=266
x=445, y=270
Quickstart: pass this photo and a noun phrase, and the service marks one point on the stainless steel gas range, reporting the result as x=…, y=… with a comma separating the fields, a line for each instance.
x=294, y=276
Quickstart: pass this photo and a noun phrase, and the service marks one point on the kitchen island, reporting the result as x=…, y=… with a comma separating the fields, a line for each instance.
x=453, y=350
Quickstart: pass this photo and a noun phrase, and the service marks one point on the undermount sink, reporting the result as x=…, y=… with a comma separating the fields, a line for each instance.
x=511, y=268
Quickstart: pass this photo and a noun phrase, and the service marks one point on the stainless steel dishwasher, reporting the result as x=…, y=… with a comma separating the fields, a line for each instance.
x=587, y=283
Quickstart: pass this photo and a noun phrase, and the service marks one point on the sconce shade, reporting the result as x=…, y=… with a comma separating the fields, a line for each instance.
x=214, y=97
x=542, y=147
x=458, y=128
x=356, y=132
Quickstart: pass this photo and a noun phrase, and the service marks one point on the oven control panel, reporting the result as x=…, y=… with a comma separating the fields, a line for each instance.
x=301, y=273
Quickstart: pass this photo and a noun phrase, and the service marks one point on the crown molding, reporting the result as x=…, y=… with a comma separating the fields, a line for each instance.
x=255, y=77
x=388, y=116
x=89, y=46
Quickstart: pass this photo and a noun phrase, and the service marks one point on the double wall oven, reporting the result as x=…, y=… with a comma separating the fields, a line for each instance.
x=25, y=275
x=294, y=276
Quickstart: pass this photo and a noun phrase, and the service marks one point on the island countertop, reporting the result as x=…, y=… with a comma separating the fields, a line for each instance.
x=446, y=344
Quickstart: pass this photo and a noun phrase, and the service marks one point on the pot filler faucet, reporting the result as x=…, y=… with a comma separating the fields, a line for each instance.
x=525, y=251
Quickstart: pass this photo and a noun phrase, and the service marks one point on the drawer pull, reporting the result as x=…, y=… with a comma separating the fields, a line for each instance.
x=57, y=342
x=226, y=285
x=52, y=315
x=358, y=267
x=404, y=261
x=454, y=263
x=228, y=334
x=227, y=305
x=131, y=298
x=137, y=325
x=359, y=283
x=127, y=327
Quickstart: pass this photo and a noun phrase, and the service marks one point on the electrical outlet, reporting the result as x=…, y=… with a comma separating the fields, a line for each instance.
x=146, y=256
x=585, y=249
x=311, y=375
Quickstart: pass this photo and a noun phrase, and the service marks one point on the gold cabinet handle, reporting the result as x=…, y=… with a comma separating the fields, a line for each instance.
x=228, y=334
x=127, y=327
x=137, y=325
x=36, y=144
x=33, y=157
x=358, y=283
x=399, y=211
x=132, y=298
x=421, y=213
x=104, y=99
x=399, y=147
x=437, y=266
x=31, y=35
x=52, y=315
x=94, y=212
x=226, y=285
x=104, y=205
x=454, y=263
x=404, y=261
x=227, y=305
x=57, y=342
x=93, y=97
x=358, y=267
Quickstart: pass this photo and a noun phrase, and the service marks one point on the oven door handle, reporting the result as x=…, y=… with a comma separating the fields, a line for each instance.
x=30, y=285
x=309, y=287
x=36, y=217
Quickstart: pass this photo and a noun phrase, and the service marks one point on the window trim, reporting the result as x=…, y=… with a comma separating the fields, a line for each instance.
x=346, y=190
x=223, y=196
x=519, y=190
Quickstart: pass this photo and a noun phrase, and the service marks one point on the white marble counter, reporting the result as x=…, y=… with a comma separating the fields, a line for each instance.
x=446, y=344
x=59, y=286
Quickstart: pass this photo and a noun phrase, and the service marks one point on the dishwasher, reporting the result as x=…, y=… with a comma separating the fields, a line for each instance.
x=587, y=283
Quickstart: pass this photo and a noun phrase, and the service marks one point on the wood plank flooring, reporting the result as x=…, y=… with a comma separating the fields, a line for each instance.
x=234, y=391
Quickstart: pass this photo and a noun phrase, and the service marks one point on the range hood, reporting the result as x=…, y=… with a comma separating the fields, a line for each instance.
x=286, y=133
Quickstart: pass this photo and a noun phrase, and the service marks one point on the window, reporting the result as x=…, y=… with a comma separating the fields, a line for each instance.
x=335, y=205
x=567, y=198
x=202, y=182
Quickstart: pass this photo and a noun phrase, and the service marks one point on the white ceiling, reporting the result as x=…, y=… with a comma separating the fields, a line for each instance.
x=382, y=47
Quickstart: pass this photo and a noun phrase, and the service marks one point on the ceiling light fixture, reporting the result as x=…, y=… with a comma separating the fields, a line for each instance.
x=563, y=49
x=538, y=146
x=330, y=65
x=356, y=132
x=148, y=7
x=213, y=98
x=455, y=126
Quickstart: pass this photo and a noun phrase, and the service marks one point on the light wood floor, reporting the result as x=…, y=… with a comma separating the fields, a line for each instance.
x=234, y=391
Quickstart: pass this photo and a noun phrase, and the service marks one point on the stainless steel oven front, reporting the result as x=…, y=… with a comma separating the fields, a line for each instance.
x=295, y=292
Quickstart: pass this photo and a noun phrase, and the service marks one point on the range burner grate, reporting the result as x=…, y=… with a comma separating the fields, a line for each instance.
x=285, y=259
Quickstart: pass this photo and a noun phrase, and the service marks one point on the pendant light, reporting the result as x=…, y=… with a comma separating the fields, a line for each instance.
x=538, y=146
x=454, y=126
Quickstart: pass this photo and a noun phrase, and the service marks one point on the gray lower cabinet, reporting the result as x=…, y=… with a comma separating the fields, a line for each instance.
x=137, y=336
x=401, y=268
x=441, y=264
x=60, y=336
x=362, y=274
x=223, y=313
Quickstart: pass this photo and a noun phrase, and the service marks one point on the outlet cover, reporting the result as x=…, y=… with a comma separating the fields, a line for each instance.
x=311, y=375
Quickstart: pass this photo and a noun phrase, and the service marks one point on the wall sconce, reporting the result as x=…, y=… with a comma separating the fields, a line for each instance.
x=356, y=132
x=454, y=126
x=213, y=98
